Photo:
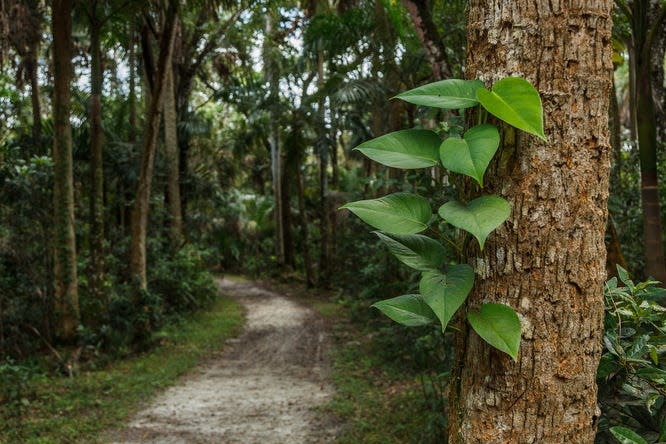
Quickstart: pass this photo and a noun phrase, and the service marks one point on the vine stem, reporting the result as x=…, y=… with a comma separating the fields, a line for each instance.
x=446, y=238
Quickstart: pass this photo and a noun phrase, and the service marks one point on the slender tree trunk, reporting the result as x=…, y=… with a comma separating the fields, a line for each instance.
x=421, y=14
x=96, y=276
x=647, y=144
x=646, y=128
x=172, y=160
x=614, y=248
x=66, y=281
x=132, y=86
x=548, y=260
x=303, y=220
x=125, y=210
x=632, y=95
x=657, y=73
x=324, y=219
x=140, y=211
x=31, y=67
x=285, y=188
x=273, y=77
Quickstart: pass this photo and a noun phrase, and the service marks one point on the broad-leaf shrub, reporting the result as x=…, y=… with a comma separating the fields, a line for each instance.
x=400, y=217
x=632, y=371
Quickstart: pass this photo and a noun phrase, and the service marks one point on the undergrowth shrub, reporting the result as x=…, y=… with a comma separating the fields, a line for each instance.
x=632, y=371
x=183, y=282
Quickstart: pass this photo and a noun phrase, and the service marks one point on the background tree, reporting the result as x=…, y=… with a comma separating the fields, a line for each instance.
x=65, y=274
x=150, y=137
x=646, y=19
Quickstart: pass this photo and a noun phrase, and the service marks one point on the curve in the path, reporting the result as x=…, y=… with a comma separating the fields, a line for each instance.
x=263, y=388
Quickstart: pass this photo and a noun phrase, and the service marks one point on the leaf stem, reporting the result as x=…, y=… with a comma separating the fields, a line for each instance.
x=446, y=238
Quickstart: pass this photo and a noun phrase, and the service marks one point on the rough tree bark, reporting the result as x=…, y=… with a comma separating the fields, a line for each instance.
x=65, y=274
x=139, y=222
x=548, y=260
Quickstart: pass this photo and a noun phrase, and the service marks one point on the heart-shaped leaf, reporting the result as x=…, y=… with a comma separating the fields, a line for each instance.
x=515, y=101
x=410, y=310
x=415, y=250
x=445, y=293
x=480, y=217
x=398, y=213
x=499, y=326
x=407, y=149
x=472, y=154
x=448, y=94
x=627, y=436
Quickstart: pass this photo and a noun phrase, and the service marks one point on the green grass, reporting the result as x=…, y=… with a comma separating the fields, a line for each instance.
x=379, y=397
x=78, y=409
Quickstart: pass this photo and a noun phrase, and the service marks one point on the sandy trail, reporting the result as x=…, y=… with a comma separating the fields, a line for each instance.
x=263, y=388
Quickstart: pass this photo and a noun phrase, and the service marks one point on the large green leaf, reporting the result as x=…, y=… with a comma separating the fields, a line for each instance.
x=515, y=101
x=627, y=436
x=472, y=154
x=410, y=310
x=445, y=293
x=415, y=250
x=398, y=213
x=499, y=326
x=480, y=217
x=407, y=149
x=448, y=94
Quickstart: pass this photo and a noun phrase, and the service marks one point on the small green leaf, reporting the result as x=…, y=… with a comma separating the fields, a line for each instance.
x=480, y=217
x=410, y=310
x=654, y=355
x=515, y=101
x=606, y=366
x=624, y=277
x=414, y=250
x=447, y=94
x=407, y=149
x=627, y=436
x=499, y=326
x=445, y=293
x=472, y=154
x=398, y=213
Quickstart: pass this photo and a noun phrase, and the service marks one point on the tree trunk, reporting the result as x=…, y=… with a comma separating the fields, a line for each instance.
x=303, y=221
x=548, y=260
x=66, y=282
x=322, y=148
x=646, y=128
x=657, y=73
x=172, y=160
x=96, y=275
x=614, y=255
x=139, y=223
x=273, y=78
x=31, y=67
x=421, y=14
x=132, y=86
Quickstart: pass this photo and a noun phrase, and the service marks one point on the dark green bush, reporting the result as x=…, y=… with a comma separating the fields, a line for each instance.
x=632, y=372
x=183, y=283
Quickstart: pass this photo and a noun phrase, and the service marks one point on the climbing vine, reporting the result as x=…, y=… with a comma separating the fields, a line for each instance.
x=400, y=217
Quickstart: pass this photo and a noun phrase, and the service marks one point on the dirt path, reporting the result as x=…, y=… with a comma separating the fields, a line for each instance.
x=263, y=388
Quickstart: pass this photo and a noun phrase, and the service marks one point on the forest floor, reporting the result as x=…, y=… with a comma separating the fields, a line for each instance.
x=265, y=386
